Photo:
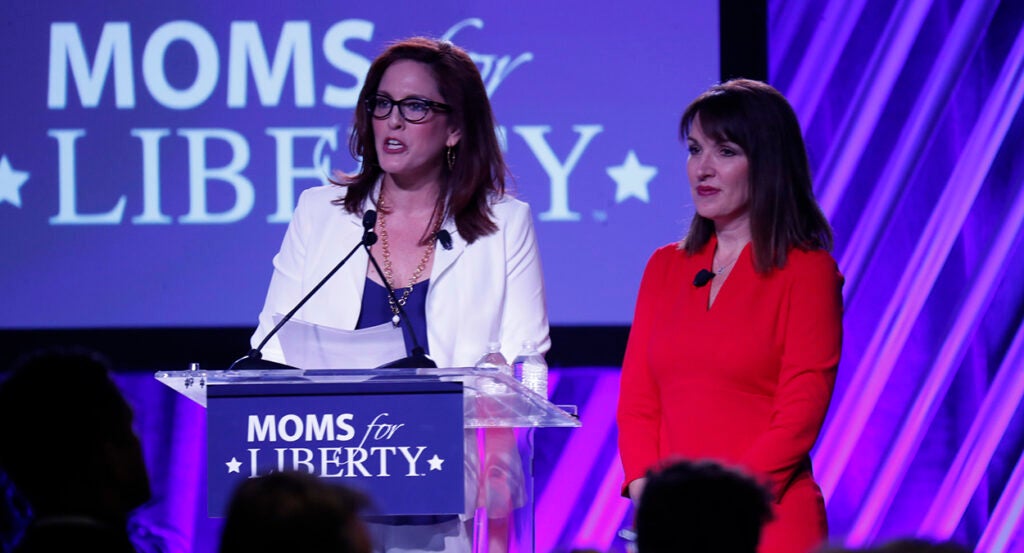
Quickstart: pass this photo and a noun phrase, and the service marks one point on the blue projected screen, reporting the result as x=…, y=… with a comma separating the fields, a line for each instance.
x=151, y=153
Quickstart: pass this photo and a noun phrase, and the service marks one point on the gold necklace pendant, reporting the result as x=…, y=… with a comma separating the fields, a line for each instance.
x=385, y=247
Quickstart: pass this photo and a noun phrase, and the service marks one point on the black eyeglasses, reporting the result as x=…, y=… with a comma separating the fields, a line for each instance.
x=413, y=110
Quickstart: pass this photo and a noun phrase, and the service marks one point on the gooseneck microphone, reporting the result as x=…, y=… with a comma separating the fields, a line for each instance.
x=702, y=277
x=418, y=359
x=369, y=221
x=255, y=356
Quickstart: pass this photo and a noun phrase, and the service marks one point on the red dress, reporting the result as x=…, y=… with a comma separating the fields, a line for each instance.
x=746, y=382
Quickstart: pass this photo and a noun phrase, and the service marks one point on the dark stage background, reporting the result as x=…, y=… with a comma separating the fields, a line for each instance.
x=912, y=114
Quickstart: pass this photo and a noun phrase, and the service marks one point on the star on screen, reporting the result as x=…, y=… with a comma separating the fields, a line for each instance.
x=233, y=465
x=632, y=178
x=11, y=181
x=435, y=462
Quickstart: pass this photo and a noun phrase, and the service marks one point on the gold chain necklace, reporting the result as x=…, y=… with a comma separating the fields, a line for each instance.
x=388, y=271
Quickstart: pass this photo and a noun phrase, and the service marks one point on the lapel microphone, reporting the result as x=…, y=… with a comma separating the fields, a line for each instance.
x=703, y=277
x=445, y=238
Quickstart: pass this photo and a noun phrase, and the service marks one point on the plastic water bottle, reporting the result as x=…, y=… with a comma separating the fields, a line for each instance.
x=531, y=369
x=493, y=359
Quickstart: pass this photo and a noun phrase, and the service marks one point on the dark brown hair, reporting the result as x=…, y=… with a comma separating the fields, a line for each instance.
x=71, y=389
x=783, y=211
x=701, y=506
x=294, y=511
x=479, y=169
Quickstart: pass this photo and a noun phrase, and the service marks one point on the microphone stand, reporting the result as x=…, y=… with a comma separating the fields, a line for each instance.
x=418, y=359
x=255, y=356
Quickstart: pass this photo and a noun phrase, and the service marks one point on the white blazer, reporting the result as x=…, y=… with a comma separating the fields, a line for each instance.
x=490, y=290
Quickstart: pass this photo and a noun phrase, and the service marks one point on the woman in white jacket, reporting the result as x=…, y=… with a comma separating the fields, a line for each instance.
x=460, y=254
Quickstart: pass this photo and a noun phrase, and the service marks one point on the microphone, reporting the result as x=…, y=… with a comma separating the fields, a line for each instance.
x=418, y=359
x=369, y=221
x=254, y=359
x=702, y=277
x=445, y=238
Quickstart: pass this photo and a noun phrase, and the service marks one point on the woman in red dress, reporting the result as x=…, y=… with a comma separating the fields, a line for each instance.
x=737, y=332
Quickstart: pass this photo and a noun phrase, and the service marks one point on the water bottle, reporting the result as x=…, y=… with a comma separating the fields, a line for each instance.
x=493, y=359
x=531, y=369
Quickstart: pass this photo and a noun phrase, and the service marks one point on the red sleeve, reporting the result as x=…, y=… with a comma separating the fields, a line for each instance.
x=639, y=408
x=812, y=329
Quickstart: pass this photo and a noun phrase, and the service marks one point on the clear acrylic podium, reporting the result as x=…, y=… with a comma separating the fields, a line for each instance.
x=498, y=409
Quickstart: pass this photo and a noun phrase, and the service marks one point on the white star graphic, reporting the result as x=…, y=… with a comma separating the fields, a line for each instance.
x=10, y=183
x=435, y=462
x=233, y=465
x=632, y=178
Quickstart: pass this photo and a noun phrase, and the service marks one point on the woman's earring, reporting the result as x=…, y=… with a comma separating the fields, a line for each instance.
x=451, y=158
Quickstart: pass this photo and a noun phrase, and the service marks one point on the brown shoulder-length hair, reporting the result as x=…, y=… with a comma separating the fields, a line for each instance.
x=479, y=168
x=783, y=211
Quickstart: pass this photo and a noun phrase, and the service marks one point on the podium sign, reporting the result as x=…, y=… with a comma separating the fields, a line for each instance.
x=401, y=443
x=391, y=408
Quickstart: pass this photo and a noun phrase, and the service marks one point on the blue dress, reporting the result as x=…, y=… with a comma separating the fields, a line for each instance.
x=375, y=310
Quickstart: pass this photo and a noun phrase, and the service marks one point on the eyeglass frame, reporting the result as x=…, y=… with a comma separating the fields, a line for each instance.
x=371, y=104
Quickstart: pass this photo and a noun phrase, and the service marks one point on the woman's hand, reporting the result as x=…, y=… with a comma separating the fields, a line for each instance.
x=636, y=489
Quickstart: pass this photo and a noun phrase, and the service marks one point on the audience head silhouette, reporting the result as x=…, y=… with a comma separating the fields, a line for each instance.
x=292, y=511
x=701, y=507
x=68, y=446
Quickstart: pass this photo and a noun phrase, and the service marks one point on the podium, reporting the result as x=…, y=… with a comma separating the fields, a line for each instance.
x=439, y=441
